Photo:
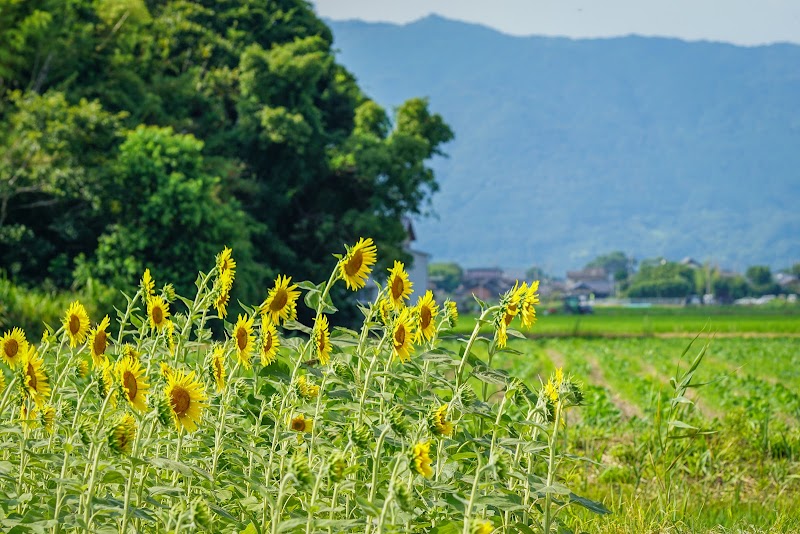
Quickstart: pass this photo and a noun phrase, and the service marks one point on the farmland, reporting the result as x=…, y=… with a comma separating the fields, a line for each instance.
x=737, y=464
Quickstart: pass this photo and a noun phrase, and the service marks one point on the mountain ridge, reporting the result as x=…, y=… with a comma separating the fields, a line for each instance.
x=651, y=145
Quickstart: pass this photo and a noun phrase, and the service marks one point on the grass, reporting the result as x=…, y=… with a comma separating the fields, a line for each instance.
x=742, y=478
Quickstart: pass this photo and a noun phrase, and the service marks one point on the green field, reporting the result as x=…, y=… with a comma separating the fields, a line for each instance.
x=745, y=476
x=666, y=321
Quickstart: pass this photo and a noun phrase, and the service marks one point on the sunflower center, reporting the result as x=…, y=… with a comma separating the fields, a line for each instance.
x=425, y=317
x=180, y=401
x=158, y=314
x=74, y=324
x=218, y=368
x=279, y=300
x=130, y=383
x=400, y=336
x=298, y=424
x=31, y=372
x=354, y=265
x=11, y=348
x=100, y=344
x=268, y=342
x=241, y=338
x=321, y=340
x=397, y=287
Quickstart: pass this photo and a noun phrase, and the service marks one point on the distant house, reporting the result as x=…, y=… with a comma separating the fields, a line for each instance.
x=486, y=283
x=595, y=281
x=691, y=262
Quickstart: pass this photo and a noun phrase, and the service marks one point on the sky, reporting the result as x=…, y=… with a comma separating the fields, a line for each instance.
x=743, y=22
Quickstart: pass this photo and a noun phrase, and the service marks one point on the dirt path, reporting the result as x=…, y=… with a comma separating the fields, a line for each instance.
x=596, y=376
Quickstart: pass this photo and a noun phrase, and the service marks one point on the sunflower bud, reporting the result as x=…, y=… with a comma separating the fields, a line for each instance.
x=202, y=514
x=360, y=434
x=336, y=469
x=164, y=410
x=343, y=370
x=398, y=421
x=299, y=468
x=403, y=498
x=120, y=440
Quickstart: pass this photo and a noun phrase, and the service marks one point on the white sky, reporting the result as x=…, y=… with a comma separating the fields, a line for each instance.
x=747, y=22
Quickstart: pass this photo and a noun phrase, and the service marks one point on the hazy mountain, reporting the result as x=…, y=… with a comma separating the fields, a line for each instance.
x=569, y=148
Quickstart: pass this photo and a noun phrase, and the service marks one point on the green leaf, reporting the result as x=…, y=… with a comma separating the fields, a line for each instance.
x=368, y=507
x=589, y=504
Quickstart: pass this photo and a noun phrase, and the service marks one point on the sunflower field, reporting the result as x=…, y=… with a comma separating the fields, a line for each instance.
x=152, y=423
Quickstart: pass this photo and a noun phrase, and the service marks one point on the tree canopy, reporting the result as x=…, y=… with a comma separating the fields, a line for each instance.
x=140, y=133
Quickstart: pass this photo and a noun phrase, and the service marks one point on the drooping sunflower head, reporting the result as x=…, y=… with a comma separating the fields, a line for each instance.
x=131, y=377
x=403, y=335
x=439, y=423
x=244, y=340
x=216, y=367
x=385, y=310
x=223, y=293
x=225, y=261
x=98, y=341
x=501, y=333
x=187, y=399
x=398, y=284
x=105, y=381
x=76, y=324
x=121, y=438
x=427, y=310
x=421, y=459
x=13, y=347
x=129, y=351
x=300, y=424
x=34, y=379
x=511, y=302
x=281, y=303
x=157, y=312
x=270, y=342
x=147, y=284
x=81, y=368
x=322, y=339
x=530, y=299
x=355, y=266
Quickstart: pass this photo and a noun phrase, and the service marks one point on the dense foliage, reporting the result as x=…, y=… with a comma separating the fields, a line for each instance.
x=139, y=133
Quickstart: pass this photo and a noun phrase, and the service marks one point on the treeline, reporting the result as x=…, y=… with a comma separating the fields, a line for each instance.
x=140, y=133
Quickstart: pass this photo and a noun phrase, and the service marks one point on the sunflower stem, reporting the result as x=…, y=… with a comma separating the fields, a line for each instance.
x=276, y=512
x=472, y=495
x=471, y=341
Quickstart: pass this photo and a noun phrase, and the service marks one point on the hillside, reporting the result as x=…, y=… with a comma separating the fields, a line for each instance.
x=569, y=148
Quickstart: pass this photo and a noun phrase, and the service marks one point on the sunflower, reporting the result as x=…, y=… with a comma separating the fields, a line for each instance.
x=528, y=311
x=510, y=303
x=13, y=346
x=300, y=424
x=98, y=340
x=130, y=375
x=403, y=335
x=121, y=438
x=354, y=268
x=281, y=303
x=224, y=285
x=551, y=390
x=420, y=457
x=157, y=312
x=482, y=527
x=76, y=323
x=105, y=381
x=48, y=417
x=385, y=310
x=147, y=284
x=306, y=388
x=2, y=382
x=217, y=368
x=439, y=423
x=451, y=312
x=28, y=417
x=129, y=351
x=399, y=285
x=186, y=398
x=81, y=368
x=225, y=262
x=34, y=382
x=270, y=343
x=243, y=334
x=426, y=311
x=322, y=339
x=501, y=334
